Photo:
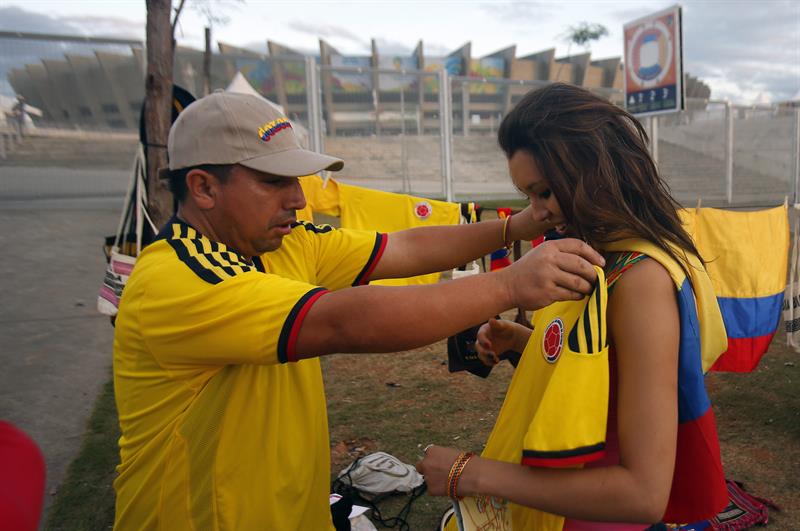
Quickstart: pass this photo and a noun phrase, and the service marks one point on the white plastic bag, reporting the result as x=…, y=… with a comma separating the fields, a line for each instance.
x=379, y=473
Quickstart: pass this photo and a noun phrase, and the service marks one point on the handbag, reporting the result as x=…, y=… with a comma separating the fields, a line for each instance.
x=123, y=248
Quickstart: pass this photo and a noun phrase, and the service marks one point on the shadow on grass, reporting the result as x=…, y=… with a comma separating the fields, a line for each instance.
x=85, y=501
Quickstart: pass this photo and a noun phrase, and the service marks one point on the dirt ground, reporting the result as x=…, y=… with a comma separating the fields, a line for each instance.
x=399, y=403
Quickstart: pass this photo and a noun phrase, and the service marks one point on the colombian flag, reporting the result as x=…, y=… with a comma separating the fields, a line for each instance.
x=746, y=254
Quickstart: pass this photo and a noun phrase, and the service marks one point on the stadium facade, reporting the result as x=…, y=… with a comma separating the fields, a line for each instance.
x=88, y=83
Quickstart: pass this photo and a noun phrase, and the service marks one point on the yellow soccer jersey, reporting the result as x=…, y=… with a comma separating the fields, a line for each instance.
x=320, y=196
x=554, y=413
x=218, y=430
x=362, y=208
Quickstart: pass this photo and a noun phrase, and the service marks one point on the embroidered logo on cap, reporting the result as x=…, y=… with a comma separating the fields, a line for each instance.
x=423, y=210
x=268, y=130
x=553, y=340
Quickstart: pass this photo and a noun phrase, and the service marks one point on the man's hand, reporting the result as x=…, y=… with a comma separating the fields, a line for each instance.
x=558, y=270
x=498, y=336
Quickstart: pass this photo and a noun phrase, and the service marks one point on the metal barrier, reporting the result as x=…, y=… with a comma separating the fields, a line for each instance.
x=729, y=155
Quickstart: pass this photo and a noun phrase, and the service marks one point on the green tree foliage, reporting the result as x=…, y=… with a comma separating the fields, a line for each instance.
x=584, y=33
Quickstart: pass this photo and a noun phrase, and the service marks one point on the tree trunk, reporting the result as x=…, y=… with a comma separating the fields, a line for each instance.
x=158, y=106
x=207, y=64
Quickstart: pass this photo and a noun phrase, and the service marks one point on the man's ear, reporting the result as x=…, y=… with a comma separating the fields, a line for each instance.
x=202, y=187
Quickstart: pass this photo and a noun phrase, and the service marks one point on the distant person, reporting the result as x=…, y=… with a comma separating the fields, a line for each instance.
x=222, y=322
x=19, y=113
x=613, y=383
x=22, y=480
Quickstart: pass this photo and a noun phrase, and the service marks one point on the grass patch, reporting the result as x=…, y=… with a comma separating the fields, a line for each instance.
x=398, y=403
x=758, y=418
x=85, y=501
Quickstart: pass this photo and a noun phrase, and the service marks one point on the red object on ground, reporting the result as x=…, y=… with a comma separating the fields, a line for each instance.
x=21, y=480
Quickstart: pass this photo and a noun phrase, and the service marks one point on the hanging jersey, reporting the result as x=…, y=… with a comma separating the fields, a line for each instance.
x=322, y=197
x=365, y=209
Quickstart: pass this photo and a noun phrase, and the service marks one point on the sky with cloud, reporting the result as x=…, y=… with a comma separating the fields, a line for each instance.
x=746, y=50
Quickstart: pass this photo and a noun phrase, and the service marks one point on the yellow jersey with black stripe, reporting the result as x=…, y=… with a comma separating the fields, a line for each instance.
x=555, y=410
x=366, y=209
x=322, y=197
x=218, y=430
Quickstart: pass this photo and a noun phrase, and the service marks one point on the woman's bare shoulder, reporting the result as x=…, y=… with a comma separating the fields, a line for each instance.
x=644, y=276
x=643, y=301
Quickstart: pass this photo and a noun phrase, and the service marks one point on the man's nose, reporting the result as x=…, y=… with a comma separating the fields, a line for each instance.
x=296, y=199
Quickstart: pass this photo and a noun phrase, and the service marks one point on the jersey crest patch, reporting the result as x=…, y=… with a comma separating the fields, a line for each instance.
x=423, y=210
x=553, y=340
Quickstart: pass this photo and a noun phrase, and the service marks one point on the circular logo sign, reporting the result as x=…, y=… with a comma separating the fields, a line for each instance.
x=423, y=210
x=553, y=340
x=650, y=53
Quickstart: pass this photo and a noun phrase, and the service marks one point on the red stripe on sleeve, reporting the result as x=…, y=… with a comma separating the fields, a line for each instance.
x=295, y=331
x=375, y=259
x=560, y=462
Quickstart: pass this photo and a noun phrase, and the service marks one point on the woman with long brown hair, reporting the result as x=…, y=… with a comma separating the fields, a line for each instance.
x=606, y=423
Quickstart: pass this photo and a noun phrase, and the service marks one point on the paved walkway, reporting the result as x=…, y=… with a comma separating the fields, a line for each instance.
x=55, y=349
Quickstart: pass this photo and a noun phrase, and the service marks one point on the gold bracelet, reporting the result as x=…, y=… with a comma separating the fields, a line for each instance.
x=455, y=474
x=506, y=223
x=457, y=477
x=452, y=473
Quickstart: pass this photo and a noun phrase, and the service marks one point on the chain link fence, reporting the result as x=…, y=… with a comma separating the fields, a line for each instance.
x=398, y=129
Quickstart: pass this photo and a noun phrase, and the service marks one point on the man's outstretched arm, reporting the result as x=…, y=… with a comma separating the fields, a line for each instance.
x=389, y=319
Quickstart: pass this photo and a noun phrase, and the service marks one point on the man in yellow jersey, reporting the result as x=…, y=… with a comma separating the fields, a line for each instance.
x=220, y=327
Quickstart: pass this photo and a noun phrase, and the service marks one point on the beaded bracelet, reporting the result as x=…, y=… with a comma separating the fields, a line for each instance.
x=455, y=474
x=506, y=224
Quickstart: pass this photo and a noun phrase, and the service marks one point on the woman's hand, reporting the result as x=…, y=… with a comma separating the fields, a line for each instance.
x=498, y=336
x=435, y=466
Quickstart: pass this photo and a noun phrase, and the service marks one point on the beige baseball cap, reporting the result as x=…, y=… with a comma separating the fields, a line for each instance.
x=232, y=128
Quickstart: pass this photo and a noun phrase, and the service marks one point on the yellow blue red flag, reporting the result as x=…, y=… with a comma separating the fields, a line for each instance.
x=747, y=255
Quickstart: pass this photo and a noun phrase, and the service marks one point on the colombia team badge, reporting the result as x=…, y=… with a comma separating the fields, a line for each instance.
x=553, y=340
x=423, y=210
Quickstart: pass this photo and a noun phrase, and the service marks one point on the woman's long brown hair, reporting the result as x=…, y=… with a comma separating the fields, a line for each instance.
x=594, y=156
